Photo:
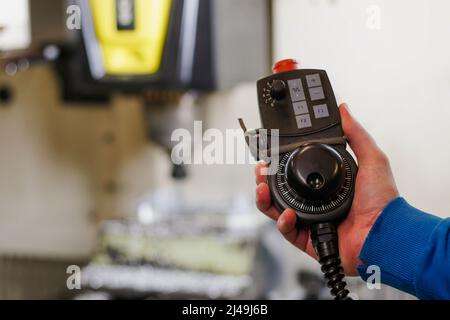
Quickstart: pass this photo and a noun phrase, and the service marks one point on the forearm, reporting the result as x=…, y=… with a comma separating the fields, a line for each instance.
x=412, y=250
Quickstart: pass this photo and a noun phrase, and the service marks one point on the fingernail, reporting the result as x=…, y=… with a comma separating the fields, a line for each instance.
x=281, y=219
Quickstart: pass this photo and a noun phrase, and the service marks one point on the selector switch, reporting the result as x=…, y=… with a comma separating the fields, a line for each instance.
x=278, y=91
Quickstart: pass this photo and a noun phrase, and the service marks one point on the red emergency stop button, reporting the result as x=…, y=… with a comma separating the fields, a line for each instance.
x=285, y=65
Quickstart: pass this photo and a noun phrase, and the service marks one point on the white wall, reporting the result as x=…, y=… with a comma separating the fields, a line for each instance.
x=15, y=30
x=395, y=79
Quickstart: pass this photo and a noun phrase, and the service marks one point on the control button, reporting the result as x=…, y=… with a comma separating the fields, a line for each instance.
x=300, y=107
x=316, y=93
x=285, y=65
x=296, y=89
x=303, y=121
x=321, y=111
x=313, y=80
x=278, y=90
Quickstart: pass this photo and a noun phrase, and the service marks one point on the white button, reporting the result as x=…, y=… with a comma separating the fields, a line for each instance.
x=313, y=80
x=300, y=107
x=296, y=90
x=316, y=93
x=321, y=111
x=303, y=121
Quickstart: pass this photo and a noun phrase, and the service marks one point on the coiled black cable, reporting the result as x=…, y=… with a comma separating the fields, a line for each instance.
x=325, y=241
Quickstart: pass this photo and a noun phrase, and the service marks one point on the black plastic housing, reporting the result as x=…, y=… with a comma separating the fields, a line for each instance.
x=279, y=96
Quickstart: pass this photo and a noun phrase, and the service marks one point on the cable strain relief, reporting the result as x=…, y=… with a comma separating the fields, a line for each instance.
x=325, y=241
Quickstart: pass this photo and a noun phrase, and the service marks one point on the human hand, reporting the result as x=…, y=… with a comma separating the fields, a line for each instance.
x=375, y=188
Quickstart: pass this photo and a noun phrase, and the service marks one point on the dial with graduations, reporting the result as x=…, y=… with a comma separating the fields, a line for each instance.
x=314, y=179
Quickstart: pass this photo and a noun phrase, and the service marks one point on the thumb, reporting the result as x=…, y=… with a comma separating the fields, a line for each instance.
x=358, y=138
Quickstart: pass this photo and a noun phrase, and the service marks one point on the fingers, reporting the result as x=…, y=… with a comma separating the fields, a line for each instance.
x=263, y=198
x=286, y=222
x=287, y=226
x=359, y=139
x=260, y=177
x=264, y=201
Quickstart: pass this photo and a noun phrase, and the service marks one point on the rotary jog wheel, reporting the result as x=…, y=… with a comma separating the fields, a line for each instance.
x=314, y=180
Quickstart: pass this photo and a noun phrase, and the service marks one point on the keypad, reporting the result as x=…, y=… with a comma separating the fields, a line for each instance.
x=299, y=101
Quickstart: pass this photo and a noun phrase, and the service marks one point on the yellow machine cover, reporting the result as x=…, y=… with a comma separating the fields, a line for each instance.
x=136, y=50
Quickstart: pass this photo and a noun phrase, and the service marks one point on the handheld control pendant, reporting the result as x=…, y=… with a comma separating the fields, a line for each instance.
x=315, y=174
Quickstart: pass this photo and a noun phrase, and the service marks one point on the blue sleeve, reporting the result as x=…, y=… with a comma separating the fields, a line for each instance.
x=412, y=250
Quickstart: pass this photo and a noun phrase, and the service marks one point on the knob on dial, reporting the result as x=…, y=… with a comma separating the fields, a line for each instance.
x=278, y=90
x=315, y=172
